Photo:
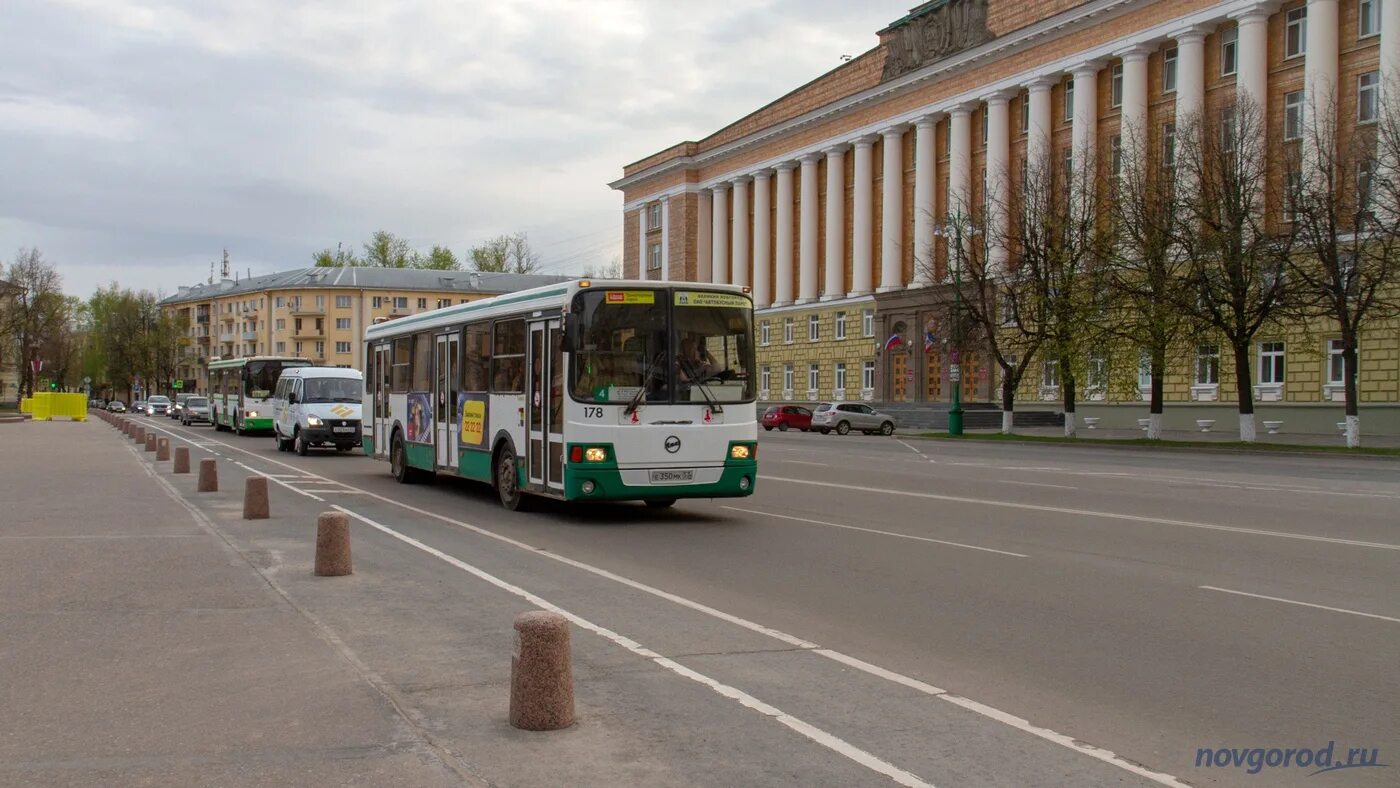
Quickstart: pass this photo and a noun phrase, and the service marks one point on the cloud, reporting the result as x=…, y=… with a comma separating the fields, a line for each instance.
x=138, y=138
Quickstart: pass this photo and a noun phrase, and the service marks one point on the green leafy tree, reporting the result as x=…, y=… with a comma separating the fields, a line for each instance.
x=440, y=259
x=339, y=257
x=386, y=250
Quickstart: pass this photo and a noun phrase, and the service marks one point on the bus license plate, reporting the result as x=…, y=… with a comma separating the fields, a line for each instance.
x=342, y=429
x=672, y=477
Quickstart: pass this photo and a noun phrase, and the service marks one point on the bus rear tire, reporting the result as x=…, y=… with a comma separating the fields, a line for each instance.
x=660, y=503
x=505, y=474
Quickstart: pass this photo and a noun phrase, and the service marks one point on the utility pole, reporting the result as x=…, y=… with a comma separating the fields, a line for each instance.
x=953, y=228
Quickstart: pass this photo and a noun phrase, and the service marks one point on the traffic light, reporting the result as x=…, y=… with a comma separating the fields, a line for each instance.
x=53, y=385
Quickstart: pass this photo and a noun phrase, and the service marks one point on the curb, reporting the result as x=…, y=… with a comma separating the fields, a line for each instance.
x=1165, y=446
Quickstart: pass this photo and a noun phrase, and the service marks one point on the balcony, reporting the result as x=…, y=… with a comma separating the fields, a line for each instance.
x=299, y=308
x=228, y=336
x=309, y=333
x=250, y=336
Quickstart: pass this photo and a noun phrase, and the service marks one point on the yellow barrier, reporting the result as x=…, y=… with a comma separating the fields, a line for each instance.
x=45, y=405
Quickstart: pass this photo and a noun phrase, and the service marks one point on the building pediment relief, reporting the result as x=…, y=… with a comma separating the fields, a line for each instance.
x=932, y=32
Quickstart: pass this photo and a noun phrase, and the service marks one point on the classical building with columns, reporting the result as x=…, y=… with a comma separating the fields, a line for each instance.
x=832, y=201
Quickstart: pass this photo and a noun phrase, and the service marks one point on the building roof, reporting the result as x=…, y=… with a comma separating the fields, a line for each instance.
x=366, y=278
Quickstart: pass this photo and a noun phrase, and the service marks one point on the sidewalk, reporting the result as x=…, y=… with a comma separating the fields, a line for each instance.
x=139, y=648
x=1216, y=435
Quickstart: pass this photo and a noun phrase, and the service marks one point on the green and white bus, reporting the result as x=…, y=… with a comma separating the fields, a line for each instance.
x=239, y=389
x=608, y=390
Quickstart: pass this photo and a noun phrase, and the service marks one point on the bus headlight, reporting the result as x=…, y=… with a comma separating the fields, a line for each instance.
x=595, y=454
x=313, y=421
x=250, y=414
x=740, y=451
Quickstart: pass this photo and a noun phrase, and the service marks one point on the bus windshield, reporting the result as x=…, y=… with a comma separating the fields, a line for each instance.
x=260, y=377
x=332, y=390
x=696, y=348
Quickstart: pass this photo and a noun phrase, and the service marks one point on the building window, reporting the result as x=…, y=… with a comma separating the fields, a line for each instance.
x=841, y=376
x=342, y=323
x=422, y=303
x=1169, y=71
x=1208, y=365
x=1144, y=369
x=1115, y=156
x=813, y=377
x=1367, y=91
x=985, y=118
x=1336, y=363
x=765, y=331
x=1069, y=99
x=1271, y=362
x=1368, y=18
x=342, y=347
x=1227, y=129
x=1050, y=374
x=1115, y=86
x=787, y=331
x=342, y=302
x=1097, y=378
x=654, y=216
x=654, y=257
x=281, y=348
x=1293, y=115
x=443, y=303
x=1169, y=145
x=320, y=349
x=765, y=378
x=1295, y=32
x=814, y=328
x=1292, y=190
x=867, y=376
x=867, y=323
x=840, y=325
x=1229, y=51
x=281, y=324
x=320, y=302
x=401, y=302
x=281, y=302
x=378, y=302
x=1025, y=112
x=787, y=377
x=1365, y=187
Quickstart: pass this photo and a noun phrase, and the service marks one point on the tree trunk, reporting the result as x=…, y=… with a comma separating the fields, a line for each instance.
x=1158, y=366
x=1067, y=386
x=1008, y=403
x=1353, y=413
x=1244, y=386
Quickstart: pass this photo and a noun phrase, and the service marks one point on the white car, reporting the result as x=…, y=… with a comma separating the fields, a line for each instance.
x=317, y=406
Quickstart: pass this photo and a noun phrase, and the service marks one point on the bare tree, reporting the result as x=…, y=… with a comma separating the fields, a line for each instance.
x=1148, y=271
x=35, y=315
x=1236, y=258
x=612, y=270
x=505, y=253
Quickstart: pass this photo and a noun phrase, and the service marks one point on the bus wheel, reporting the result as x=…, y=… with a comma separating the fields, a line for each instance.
x=660, y=503
x=398, y=462
x=507, y=476
x=237, y=425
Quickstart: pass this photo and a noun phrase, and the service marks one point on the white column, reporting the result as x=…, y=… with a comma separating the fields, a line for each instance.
x=892, y=211
x=1320, y=82
x=863, y=218
x=1133, y=128
x=1252, y=58
x=960, y=159
x=925, y=176
x=834, y=285
x=719, y=240
x=1038, y=141
x=998, y=175
x=739, y=248
x=1190, y=75
x=642, y=272
x=1085, y=130
x=665, y=238
x=807, y=228
x=762, y=238
x=1390, y=50
x=783, y=240
x=704, y=232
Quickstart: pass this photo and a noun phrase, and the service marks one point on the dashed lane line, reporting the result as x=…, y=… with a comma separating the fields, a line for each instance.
x=875, y=531
x=1301, y=604
x=1068, y=742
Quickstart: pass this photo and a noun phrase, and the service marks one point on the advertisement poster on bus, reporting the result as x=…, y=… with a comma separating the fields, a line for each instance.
x=420, y=418
x=471, y=432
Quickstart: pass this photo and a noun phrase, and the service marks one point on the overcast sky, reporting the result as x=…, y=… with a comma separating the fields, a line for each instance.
x=139, y=138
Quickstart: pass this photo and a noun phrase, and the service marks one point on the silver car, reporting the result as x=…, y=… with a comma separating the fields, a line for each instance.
x=195, y=411
x=846, y=416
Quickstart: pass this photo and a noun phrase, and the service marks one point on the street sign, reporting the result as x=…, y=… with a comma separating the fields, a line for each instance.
x=954, y=373
x=909, y=375
x=178, y=384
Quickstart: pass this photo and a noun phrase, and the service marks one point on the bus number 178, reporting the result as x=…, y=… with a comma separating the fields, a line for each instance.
x=591, y=412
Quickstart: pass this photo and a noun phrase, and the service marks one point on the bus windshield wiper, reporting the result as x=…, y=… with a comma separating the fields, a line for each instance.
x=705, y=392
x=642, y=390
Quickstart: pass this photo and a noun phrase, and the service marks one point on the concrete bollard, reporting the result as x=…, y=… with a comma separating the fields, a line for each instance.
x=332, y=544
x=138, y=434
x=208, y=476
x=151, y=442
x=126, y=427
x=255, y=498
x=182, y=460
x=162, y=449
x=541, y=677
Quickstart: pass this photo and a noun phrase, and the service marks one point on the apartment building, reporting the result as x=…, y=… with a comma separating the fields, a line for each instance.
x=832, y=202
x=318, y=314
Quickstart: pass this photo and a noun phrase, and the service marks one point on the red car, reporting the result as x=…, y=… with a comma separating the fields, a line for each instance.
x=787, y=416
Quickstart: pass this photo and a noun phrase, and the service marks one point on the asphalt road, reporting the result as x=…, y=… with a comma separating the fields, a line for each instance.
x=1147, y=603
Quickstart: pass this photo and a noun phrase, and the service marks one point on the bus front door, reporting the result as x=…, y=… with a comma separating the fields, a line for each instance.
x=445, y=396
x=545, y=404
x=383, y=418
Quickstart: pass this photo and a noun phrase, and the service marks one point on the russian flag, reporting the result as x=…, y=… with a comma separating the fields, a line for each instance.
x=893, y=342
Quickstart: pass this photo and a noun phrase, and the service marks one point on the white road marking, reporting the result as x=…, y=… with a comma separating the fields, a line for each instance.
x=812, y=732
x=875, y=531
x=1302, y=604
x=1107, y=756
x=804, y=462
x=334, y=492
x=1036, y=484
x=1090, y=513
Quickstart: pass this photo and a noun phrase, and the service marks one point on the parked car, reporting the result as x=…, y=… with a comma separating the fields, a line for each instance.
x=158, y=405
x=139, y=406
x=195, y=411
x=179, y=404
x=116, y=406
x=846, y=416
x=786, y=417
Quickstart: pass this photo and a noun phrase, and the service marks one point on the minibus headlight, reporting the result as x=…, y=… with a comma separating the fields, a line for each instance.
x=313, y=421
x=595, y=454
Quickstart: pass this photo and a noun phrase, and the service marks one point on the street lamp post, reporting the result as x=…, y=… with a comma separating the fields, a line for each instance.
x=953, y=228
